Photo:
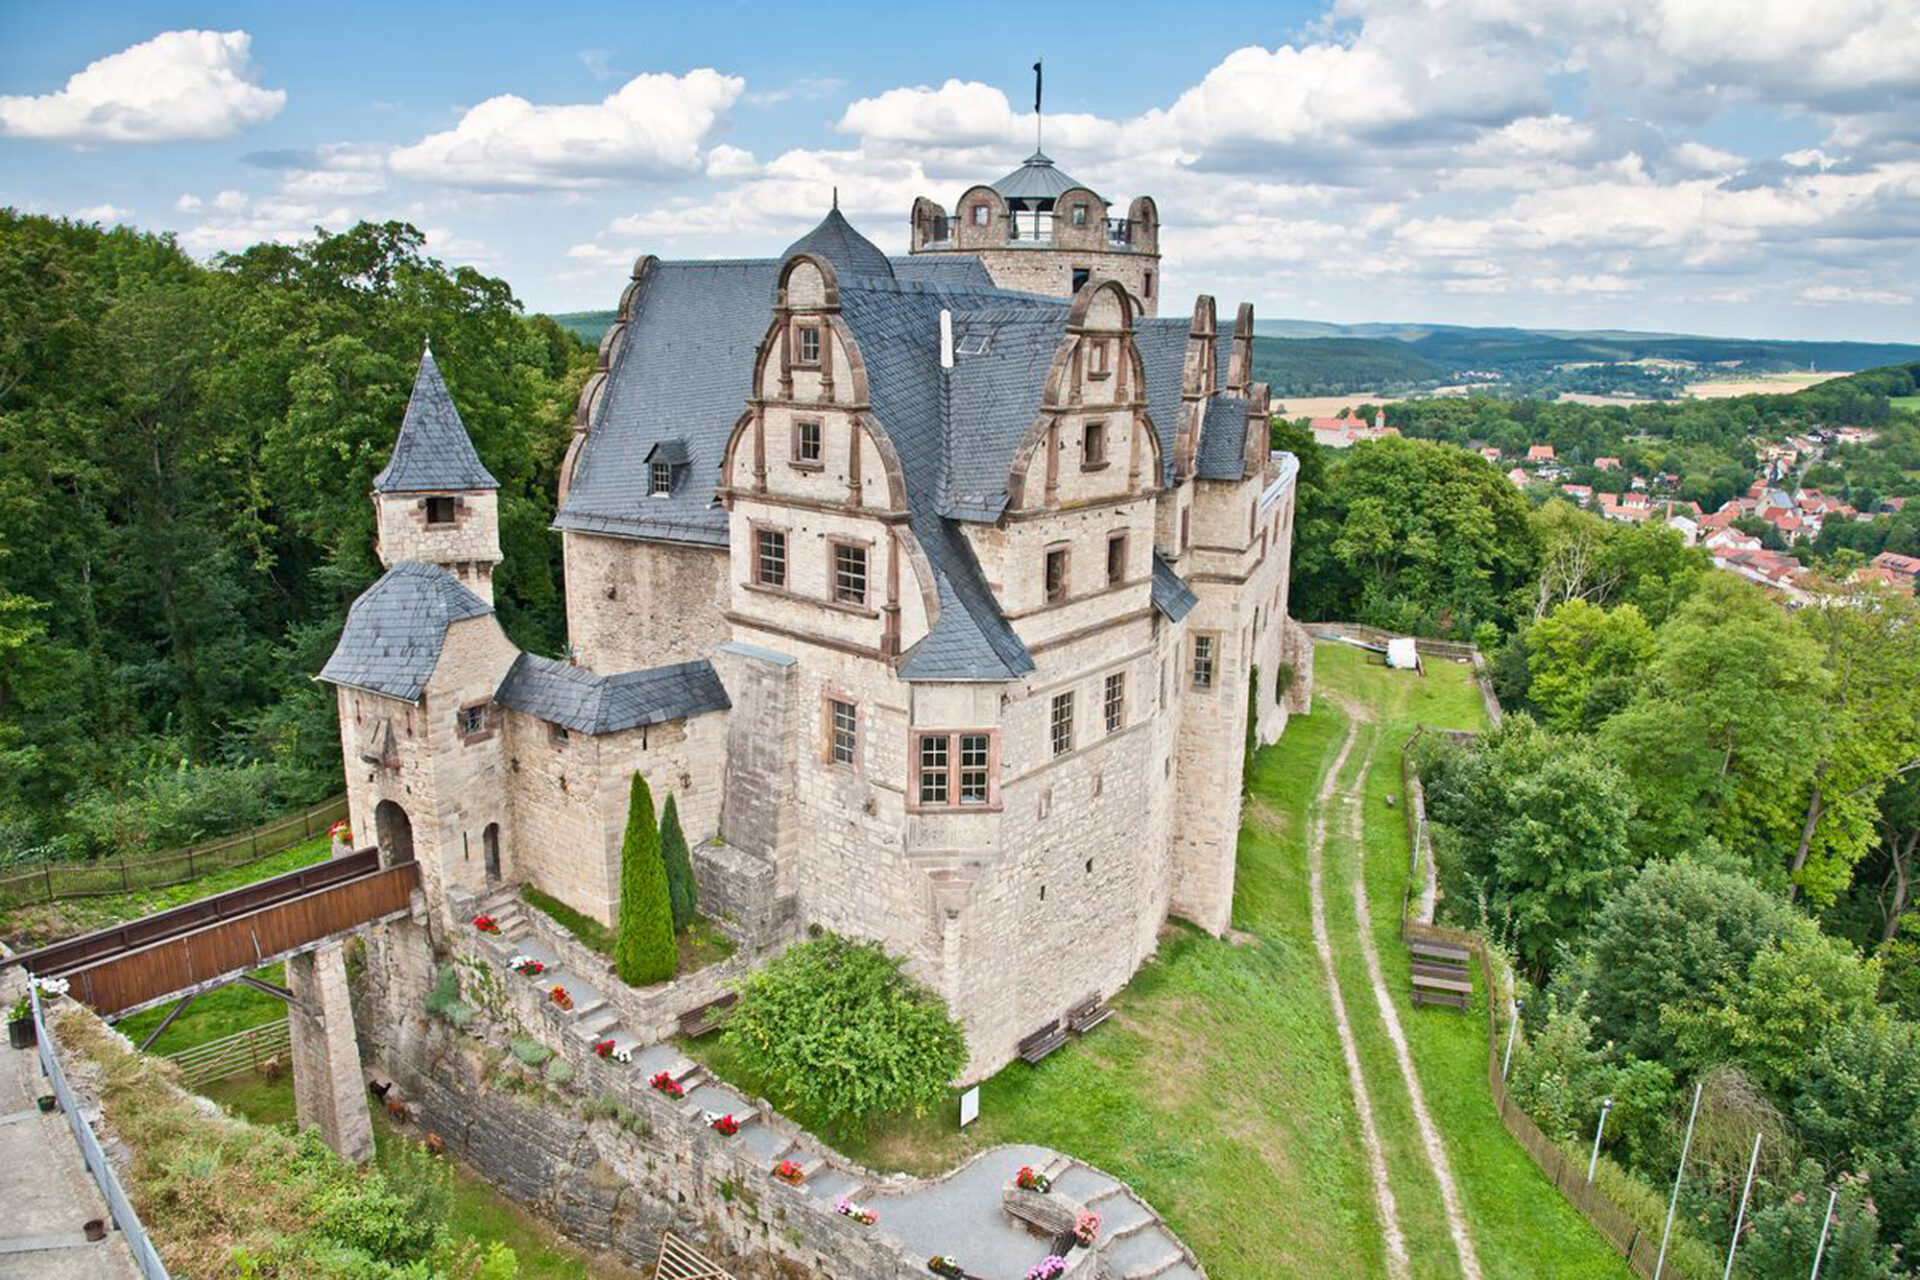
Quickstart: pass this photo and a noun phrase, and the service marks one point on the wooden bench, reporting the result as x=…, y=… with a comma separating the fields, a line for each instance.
x=1042, y=1042
x=1439, y=952
x=701, y=1019
x=1447, y=971
x=1451, y=999
x=1443, y=982
x=1088, y=1014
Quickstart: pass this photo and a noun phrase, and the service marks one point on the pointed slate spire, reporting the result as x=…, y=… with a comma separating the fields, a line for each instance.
x=432, y=451
x=853, y=255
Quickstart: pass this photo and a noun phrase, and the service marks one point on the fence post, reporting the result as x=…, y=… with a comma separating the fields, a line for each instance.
x=47, y=871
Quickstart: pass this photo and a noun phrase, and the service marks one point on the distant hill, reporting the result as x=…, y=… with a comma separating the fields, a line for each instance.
x=1334, y=366
x=590, y=326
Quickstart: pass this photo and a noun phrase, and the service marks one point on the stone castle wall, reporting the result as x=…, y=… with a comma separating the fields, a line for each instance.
x=633, y=605
x=468, y=548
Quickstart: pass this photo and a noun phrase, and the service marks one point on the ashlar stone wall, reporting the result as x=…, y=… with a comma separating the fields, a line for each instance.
x=468, y=548
x=633, y=605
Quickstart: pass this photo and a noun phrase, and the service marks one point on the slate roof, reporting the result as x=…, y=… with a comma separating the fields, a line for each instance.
x=941, y=268
x=1171, y=595
x=432, y=451
x=853, y=255
x=395, y=630
x=588, y=702
x=1037, y=179
x=1223, y=440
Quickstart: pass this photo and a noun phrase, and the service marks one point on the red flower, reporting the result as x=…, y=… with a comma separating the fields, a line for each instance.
x=727, y=1126
x=665, y=1083
x=486, y=924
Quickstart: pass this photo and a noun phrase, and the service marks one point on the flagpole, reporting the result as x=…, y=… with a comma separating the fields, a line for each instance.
x=1037, y=118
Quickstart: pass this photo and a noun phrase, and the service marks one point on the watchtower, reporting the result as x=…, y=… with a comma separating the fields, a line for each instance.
x=435, y=502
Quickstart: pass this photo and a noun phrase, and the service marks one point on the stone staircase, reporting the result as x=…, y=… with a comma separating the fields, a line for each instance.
x=1137, y=1247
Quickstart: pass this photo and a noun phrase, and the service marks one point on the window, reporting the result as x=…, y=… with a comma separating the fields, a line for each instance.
x=1080, y=277
x=770, y=558
x=849, y=573
x=1203, y=656
x=1116, y=559
x=440, y=510
x=660, y=481
x=1056, y=575
x=954, y=769
x=1093, y=446
x=806, y=444
x=843, y=731
x=976, y=767
x=809, y=344
x=473, y=719
x=1116, y=701
x=1149, y=284
x=940, y=231
x=1186, y=528
x=980, y=215
x=1080, y=215
x=1062, y=723
x=557, y=734
x=1097, y=359
x=934, y=757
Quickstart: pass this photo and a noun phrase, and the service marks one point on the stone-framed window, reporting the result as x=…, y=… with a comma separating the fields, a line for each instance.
x=1115, y=701
x=1097, y=359
x=659, y=480
x=1080, y=213
x=981, y=212
x=1055, y=581
x=1060, y=723
x=1206, y=653
x=806, y=344
x=471, y=722
x=807, y=450
x=956, y=769
x=557, y=734
x=1116, y=558
x=1080, y=277
x=1186, y=527
x=442, y=510
x=840, y=723
x=849, y=573
x=1149, y=288
x=770, y=557
x=1093, y=445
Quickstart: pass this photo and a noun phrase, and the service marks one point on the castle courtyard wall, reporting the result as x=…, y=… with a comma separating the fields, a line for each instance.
x=634, y=604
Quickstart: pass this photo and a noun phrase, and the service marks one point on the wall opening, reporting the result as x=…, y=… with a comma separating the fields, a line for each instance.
x=490, y=843
x=394, y=830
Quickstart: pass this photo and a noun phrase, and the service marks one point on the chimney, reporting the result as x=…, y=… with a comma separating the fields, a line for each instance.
x=946, y=338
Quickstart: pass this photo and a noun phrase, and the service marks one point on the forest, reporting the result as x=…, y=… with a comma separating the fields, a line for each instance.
x=186, y=451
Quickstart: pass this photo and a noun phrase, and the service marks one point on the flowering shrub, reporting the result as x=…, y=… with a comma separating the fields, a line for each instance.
x=944, y=1264
x=560, y=996
x=1028, y=1180
x=665, y=1083
x=726, y=1126
x=858, y=1212
x=52, y=986
x=341, y=832
x=603, y=1048
x=788, y=1171
x=486, y=924
x=1086, y=1227
x=527, y=965
x=1047, y=1268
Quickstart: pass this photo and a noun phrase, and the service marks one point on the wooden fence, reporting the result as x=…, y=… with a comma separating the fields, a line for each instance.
x=1452, y=649
x=233, y=1055
x=97, y=878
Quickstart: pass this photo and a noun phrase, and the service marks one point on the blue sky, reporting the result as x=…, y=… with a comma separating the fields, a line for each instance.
x=1696, y=165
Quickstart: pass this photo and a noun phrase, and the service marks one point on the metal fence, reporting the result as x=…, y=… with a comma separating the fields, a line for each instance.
x=145, y=1256
x=56, y=880
x=233, y=1055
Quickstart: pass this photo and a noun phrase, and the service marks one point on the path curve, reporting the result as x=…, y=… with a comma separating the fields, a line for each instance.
x=1398, y=1264
x=1389, y=1014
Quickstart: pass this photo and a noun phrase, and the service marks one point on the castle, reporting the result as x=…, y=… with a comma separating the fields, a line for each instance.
x=944, y=592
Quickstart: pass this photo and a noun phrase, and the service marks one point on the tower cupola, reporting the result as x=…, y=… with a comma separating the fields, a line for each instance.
x=435, y=501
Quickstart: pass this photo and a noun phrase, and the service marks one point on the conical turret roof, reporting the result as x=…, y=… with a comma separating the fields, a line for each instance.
x=1037, y=179
x=852, y=254
x=432, y=451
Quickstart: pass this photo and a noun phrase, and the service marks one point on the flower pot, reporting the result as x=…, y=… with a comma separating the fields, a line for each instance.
x=21, y=1035
x=96, y=1229
x=47, y=1103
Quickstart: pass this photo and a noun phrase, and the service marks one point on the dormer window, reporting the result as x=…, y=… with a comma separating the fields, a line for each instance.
x=809, y=344
x=660, y=480
x=980, y=215
x=1079, y=215
x=440, y=510
x=665, y=462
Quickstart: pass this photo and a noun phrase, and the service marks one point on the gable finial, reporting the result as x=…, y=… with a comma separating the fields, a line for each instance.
x=836, y=197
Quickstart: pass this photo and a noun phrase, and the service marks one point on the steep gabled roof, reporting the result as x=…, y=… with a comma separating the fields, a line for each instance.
x=395, y=631
x=588, y=702
x=432, y=451
x=853, y=255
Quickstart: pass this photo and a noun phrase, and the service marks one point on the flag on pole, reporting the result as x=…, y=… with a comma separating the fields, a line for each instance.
x=1036, y=88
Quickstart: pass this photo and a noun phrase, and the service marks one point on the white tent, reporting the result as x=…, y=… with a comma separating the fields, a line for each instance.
x=1401, y=653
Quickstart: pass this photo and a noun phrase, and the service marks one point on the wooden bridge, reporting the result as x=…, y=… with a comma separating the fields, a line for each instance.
x=221, y=939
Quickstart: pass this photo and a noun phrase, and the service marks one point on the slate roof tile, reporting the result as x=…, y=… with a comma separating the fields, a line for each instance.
x=1171, y=595
x=432, y=450
x=395, y=630
x=589, y=702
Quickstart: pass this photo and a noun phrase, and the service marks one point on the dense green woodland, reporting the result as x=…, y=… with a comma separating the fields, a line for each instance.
x=186, y=453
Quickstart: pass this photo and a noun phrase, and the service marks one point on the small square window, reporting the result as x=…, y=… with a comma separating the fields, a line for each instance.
x=1056, y=575
x=843, y=730
x=849, y=573
x=1116, y=704
x=1061, y=723
x=557, y=734
x=809, y=344
x=1116, y=559
x=473, y=719
x=933, y=769
x=770, y=558
x=1203, y=656
x=1080, y=277
x=660, y=480
x=806, y=443
x=440, y=510
x=980, y=215
x=1093, y=446
x=1079, y=215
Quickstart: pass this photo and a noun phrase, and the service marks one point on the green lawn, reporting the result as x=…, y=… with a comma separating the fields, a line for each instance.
x=1905, y=402
x=35, y=926
x=218, y=1013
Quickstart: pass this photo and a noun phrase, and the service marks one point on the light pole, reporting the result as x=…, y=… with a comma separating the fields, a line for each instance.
x=1593, y=1161
x=1825, y=1227
x=1741, y=1218
x=1512, y=1028
x=1686, y=1145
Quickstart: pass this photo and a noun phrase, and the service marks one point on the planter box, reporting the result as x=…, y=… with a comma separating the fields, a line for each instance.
x=21, y=1035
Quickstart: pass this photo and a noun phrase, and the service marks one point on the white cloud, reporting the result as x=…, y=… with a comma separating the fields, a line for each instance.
x=1839, y=293
x=730, y=162
x=178, y=86
x=235, y=220
x=106, y=213
x=654, y=126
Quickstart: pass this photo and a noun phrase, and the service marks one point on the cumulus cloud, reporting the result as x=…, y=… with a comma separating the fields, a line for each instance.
x=107, y=213
x=654, y=126
x=178, y=86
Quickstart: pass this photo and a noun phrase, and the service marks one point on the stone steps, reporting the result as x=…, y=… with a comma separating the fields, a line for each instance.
x=1144, y=1254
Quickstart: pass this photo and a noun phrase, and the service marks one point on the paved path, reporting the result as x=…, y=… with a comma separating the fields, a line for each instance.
x=1398, y=1265
x=45, y=1188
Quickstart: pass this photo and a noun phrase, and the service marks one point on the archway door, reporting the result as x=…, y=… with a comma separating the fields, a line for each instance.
x=394, y=830
x=490, y=840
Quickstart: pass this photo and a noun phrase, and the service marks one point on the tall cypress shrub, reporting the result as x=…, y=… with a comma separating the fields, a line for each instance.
x=682, y=891
x=643, y=952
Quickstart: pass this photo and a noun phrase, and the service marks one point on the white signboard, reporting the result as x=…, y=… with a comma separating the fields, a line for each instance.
x=969, y=1106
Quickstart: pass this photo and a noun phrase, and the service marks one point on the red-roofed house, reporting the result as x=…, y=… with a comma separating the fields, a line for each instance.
x=1519, y=478
x=1607, y=464
x=1907, y=567
x=1582, y=493
x=1540, y=453
x=1490, y=453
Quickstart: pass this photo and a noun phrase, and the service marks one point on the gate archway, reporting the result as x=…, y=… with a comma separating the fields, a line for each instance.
x=394, y=831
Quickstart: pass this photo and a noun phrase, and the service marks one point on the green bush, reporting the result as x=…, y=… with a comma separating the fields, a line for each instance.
x=444, y=1002
x=643, y=951
x=682, y=892
x=530, y=1051
x=842, y=1035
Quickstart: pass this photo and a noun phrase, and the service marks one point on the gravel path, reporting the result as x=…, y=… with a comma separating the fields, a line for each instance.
x=1398, y=1265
